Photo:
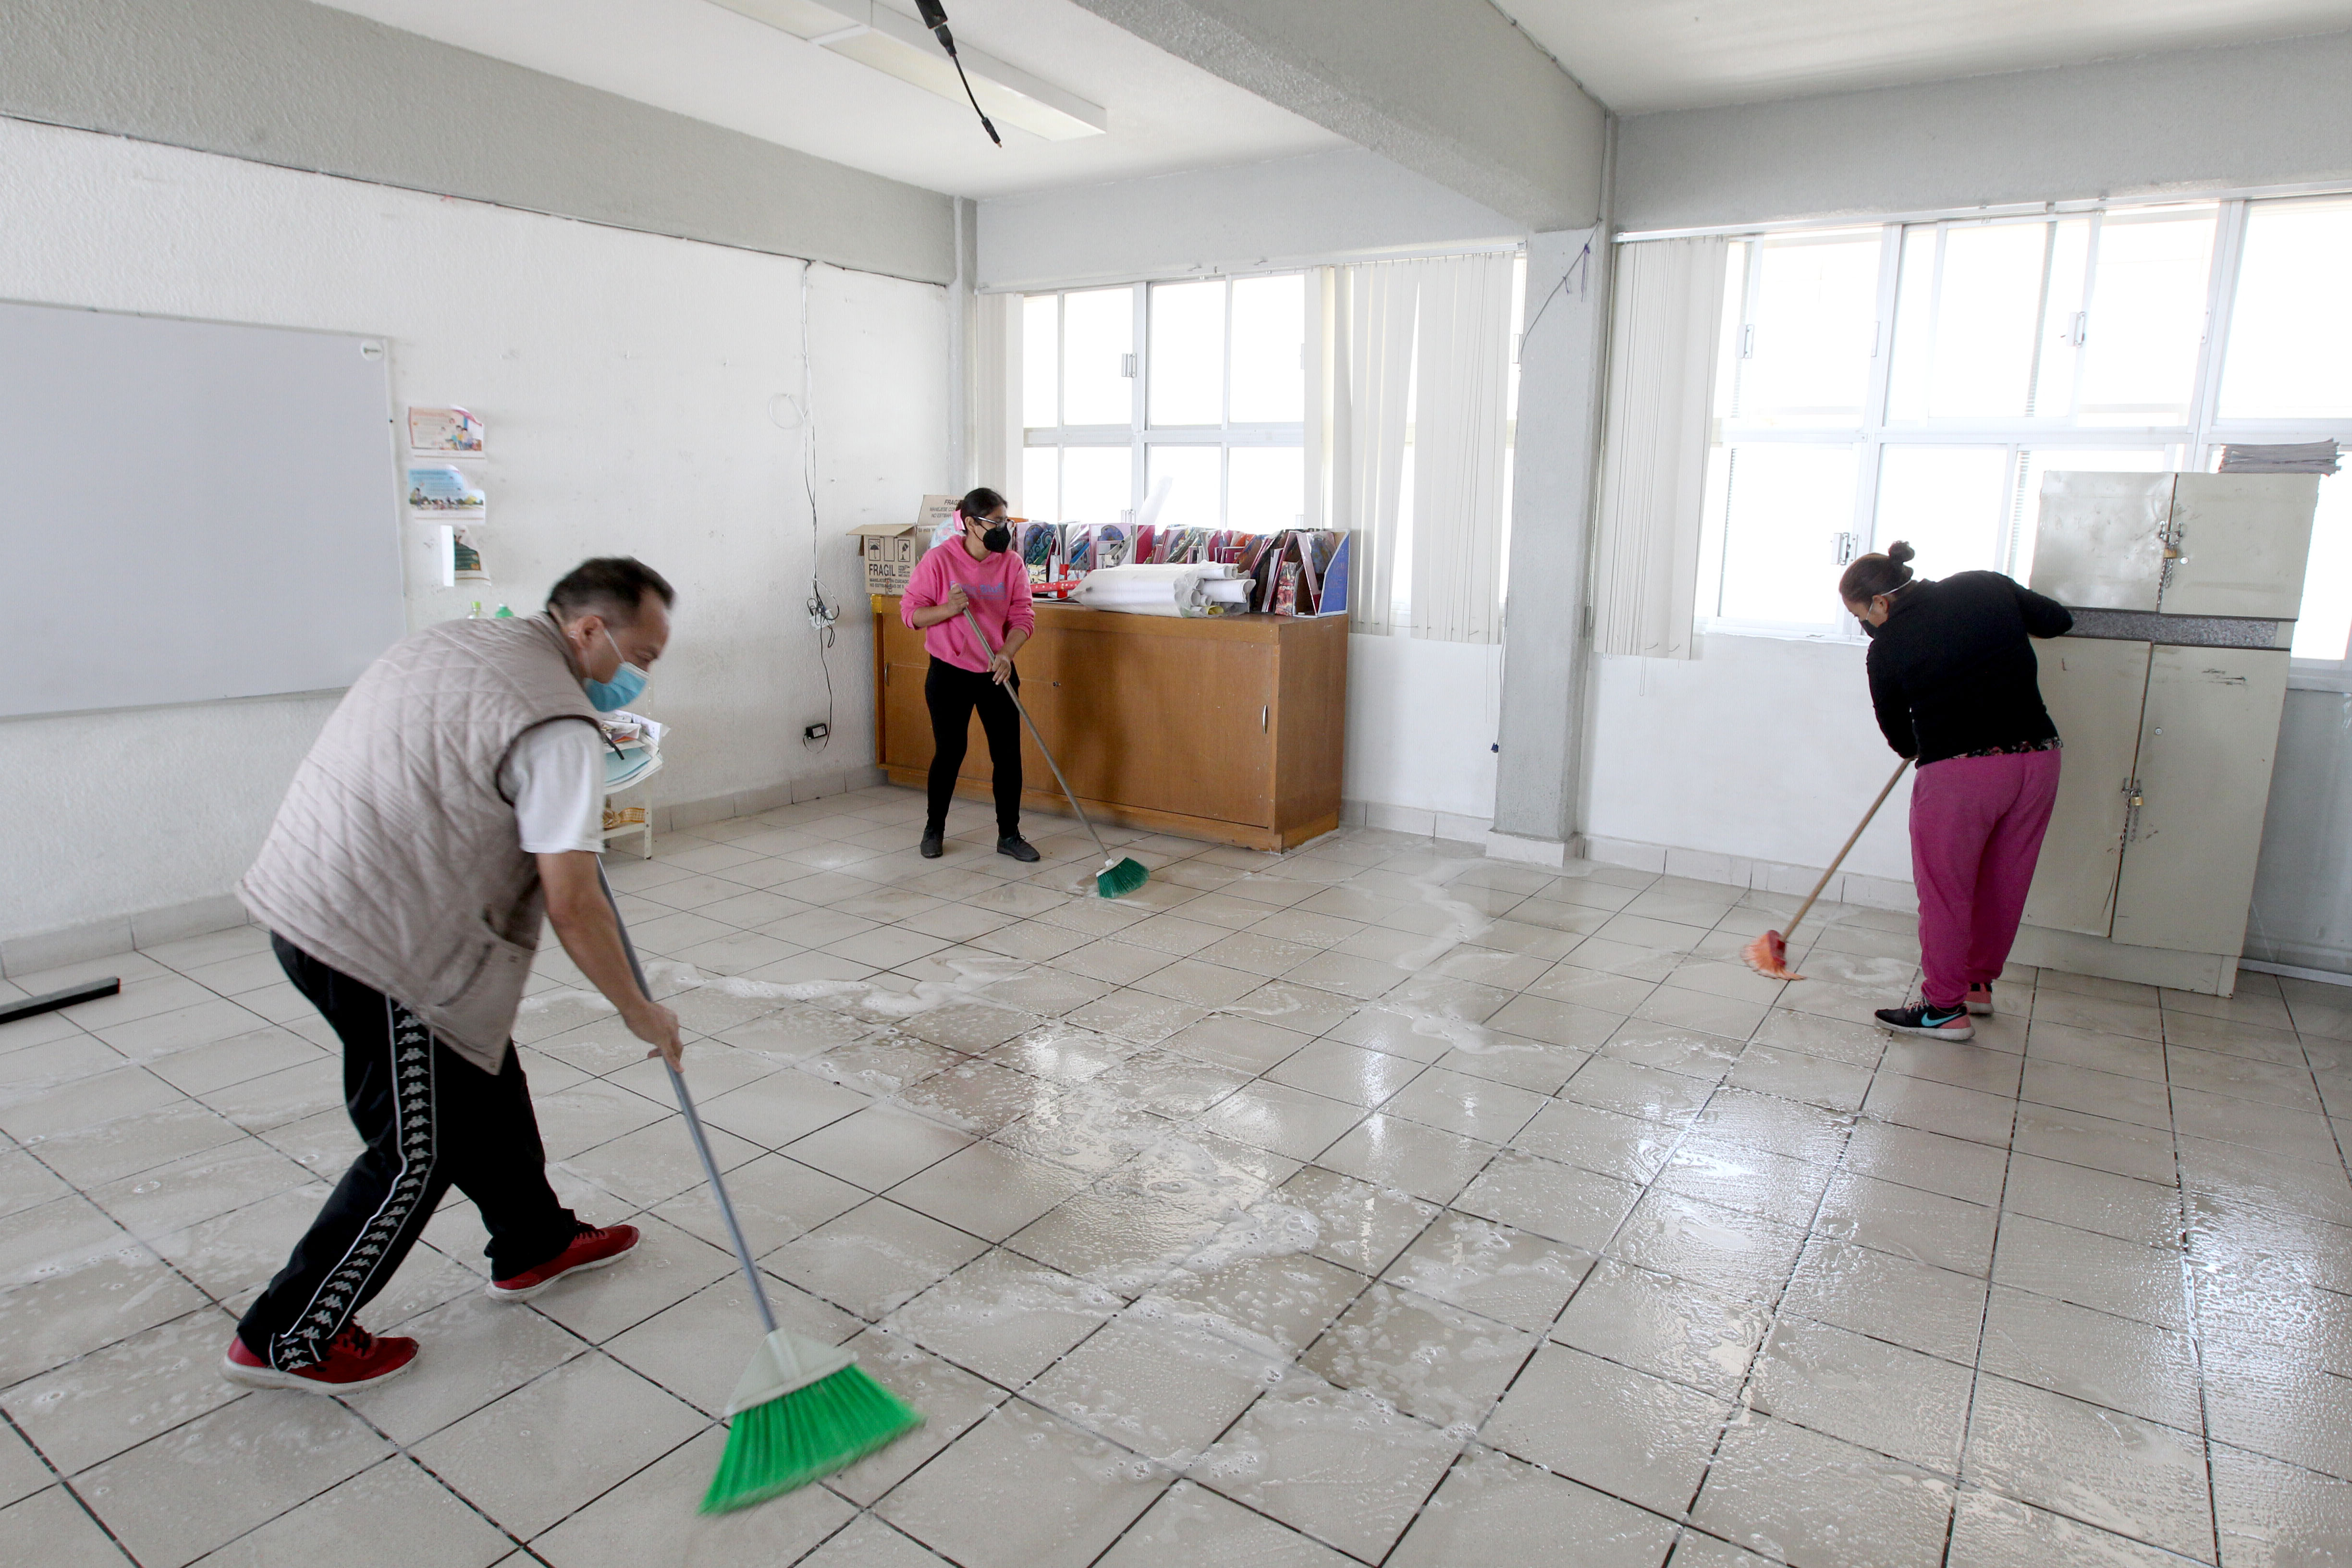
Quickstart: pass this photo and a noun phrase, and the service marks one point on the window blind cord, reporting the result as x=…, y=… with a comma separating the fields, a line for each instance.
x=1582, y=271
x=823, y=613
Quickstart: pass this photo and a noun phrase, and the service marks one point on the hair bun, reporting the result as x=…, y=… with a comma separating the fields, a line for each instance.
x=1899, y=551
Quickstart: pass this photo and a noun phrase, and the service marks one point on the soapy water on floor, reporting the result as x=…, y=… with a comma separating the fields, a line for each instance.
x=1207, y=1344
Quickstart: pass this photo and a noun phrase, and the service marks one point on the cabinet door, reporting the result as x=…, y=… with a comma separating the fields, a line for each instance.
x=906, y=717
x=2093, y=689
x=2243, y=539
x=2100, y=540
x=2207, y=737
x=1167, y=723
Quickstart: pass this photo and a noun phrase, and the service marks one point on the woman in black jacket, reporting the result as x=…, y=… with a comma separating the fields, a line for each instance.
x=1954, y=680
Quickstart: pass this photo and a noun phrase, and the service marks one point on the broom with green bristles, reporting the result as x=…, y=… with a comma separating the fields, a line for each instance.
x=803, y=1410
x=1119, y=877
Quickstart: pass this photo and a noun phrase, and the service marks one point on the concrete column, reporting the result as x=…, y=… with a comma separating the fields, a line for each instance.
x=1547, y=641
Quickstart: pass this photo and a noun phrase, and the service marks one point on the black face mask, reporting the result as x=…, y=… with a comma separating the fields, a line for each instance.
x=997, y=540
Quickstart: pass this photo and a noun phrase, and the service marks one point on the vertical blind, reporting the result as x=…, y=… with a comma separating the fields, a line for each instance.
x=1664, y=326
x=1415, y=438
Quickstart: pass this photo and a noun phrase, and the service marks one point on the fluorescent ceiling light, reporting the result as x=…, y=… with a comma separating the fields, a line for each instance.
x=874, y=34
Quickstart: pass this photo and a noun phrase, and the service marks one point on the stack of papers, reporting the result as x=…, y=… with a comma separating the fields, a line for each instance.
x=2302, y=458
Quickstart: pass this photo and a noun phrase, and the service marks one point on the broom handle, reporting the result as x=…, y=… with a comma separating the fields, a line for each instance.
x=1042, y=749
x=694, y=1125
x=1850, y=839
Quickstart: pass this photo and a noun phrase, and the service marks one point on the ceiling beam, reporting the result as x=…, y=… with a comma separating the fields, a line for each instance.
x=1448, y=88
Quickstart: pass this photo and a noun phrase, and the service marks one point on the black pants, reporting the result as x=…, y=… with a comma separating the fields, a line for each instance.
x=429, y=1118
x=953, y=694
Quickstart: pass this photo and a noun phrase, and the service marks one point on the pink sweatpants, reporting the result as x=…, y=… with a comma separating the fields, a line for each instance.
x=1976, y=832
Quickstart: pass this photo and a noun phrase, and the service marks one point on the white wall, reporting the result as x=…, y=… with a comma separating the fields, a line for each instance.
x=1288, y=210
x=2250, y=115
x=1758, y=750
x=1422, y=724
x=626, y=381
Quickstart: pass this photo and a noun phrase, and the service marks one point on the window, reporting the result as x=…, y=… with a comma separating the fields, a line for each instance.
x=1918, y=381
x=1196, y=389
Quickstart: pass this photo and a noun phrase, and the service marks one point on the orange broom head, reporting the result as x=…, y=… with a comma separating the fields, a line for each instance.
x=1768, y=955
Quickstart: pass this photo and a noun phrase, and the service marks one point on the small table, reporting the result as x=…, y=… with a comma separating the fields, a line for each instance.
x=620, y=777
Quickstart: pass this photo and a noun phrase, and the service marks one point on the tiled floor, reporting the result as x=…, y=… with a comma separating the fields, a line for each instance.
x=1381, y=1203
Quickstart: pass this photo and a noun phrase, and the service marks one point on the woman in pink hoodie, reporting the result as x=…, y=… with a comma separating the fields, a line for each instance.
x=978, y=570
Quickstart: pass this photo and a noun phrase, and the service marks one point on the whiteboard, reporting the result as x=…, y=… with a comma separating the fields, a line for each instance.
x=192, y=511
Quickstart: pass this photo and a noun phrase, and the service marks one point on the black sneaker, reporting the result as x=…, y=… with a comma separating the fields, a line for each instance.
x=1020, y=849
x=934, y=843
x=1936, y=1022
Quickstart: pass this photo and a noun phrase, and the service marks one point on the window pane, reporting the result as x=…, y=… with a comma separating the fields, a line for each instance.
x=1267, y=489
x=1038, y=359
x=1041, y=483
x=1784, y=507
x=1188, y=354
x=2146, y=318
x=1948, y=501
x=1986, y=302
x=2070, y=282
x=1098, y=335
x=1816, y=321
x=1098, y=483
x=2290, y=334
x=1269, y=349
x=1193, y=499
x=2326, y=619
x=2026, y=509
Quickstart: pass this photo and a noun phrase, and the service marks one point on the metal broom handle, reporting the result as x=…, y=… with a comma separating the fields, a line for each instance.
x=694, y=1125
x=1043, y=749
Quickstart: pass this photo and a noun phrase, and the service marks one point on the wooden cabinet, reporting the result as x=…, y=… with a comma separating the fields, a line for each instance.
x=1230, y=728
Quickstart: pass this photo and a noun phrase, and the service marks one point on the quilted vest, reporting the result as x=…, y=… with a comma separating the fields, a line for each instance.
x=394, y=857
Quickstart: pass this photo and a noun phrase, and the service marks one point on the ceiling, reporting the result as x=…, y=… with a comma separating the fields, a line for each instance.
x=703, y=60
x=1642, y=55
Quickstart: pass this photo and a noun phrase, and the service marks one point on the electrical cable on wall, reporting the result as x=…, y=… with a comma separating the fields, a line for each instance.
x=823, y=613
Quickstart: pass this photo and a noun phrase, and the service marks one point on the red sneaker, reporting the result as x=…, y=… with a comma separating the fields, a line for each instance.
x=355, y=1360
x=589, y=1250
x=1980, y=1000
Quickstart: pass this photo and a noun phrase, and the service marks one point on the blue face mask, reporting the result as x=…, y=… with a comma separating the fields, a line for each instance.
x=628, y=684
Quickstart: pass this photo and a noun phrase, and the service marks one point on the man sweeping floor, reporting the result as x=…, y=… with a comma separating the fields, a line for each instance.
x=455, y=794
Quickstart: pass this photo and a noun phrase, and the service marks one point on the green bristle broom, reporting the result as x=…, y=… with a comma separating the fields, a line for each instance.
x=803, y=1410
x=1118, y=878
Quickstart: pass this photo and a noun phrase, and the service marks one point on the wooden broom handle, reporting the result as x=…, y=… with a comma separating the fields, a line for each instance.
x=1850, y=839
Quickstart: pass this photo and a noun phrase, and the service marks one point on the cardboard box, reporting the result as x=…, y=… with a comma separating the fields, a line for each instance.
x=890, y=551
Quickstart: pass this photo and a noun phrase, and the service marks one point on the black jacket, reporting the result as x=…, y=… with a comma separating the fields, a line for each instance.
x=1951, y=671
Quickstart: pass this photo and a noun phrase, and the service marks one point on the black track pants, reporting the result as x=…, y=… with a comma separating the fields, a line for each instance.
x=952, y=693
x=429, y=1119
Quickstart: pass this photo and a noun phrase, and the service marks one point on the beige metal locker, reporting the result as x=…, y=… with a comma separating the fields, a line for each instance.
x=2208, y=734
x=2107, y=551
x=2093, y=689
x=2241, y=542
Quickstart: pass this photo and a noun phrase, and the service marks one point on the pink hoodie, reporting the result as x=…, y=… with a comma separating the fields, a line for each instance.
x=998, y=587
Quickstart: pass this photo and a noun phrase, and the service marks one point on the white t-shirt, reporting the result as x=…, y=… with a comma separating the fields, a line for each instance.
x=555, y=776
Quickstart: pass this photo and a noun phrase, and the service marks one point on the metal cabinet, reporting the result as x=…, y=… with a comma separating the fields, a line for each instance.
x=2168, y=696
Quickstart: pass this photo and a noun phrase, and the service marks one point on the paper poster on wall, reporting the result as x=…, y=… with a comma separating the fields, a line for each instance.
x=453, y=431
x=444, y=489
x=466, y=560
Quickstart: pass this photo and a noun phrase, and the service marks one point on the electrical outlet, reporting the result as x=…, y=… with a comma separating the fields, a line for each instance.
x=817, y=731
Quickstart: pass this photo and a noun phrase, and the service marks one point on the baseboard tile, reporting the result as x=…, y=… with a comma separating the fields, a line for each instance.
x=1421, y=821
x=1764, y=875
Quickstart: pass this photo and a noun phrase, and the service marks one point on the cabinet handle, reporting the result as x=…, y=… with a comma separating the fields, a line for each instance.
x=1261, y=715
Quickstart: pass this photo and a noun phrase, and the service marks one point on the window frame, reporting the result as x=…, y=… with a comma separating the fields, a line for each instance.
x=2193, y=444
x=1139, y=433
